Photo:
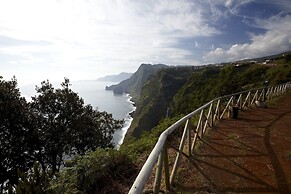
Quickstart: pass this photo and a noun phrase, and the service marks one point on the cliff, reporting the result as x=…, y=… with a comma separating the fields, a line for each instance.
x=180, y=90
x=156, y=97
x=134, y=84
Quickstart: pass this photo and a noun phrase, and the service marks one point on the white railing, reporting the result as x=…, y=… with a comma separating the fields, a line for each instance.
x=188, y=131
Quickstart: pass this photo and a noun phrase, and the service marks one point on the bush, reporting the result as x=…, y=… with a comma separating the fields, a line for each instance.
x=101, y=171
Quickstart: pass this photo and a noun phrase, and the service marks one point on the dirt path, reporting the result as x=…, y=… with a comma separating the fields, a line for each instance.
x=251, y=154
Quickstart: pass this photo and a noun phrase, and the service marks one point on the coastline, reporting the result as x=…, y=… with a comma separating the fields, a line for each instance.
x=128, y=120
x=93, y=93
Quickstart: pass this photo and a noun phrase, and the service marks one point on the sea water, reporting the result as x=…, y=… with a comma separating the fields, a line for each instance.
x=93, y=92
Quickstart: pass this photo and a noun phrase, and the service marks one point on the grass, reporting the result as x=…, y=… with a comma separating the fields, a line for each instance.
x=288, y=155
x=233, y=137
x=276, y=100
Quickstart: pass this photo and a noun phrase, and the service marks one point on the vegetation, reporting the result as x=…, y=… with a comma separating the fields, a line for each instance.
x=107, y=170
x=134, y=84
x=55, y=125
x=156, y=96
x=213, y=82
x=187, y=86
x=180, y=90
x=35, y=137
x=17, y=136
x=101, y=171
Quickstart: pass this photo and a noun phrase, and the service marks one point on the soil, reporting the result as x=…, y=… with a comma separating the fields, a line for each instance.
x=250, y=154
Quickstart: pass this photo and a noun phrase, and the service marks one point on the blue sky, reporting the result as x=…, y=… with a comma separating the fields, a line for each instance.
x=87, y=39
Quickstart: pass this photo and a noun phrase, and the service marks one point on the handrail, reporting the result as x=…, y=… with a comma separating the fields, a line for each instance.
x=159, y=153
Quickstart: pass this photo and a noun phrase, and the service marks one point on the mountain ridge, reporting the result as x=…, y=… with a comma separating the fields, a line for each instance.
x=116, y=78
x=134, y=84
x=179, y=90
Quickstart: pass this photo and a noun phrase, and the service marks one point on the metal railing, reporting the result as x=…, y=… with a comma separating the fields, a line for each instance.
x=187, y=131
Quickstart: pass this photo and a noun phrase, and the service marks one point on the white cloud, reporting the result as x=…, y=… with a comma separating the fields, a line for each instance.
x=276, y=39
x=217, y=14
x=235, y=5
x=105, y=36
x=282, y=4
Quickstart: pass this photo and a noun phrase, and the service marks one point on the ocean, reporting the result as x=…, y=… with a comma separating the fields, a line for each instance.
x=94, y=93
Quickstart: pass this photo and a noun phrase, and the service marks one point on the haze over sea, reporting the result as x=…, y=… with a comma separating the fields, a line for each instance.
x=93, y=92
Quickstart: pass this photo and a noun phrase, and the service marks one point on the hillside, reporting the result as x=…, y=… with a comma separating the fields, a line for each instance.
x=134, y=84
x=180, y=90
x=156, y=96
x=271, y=57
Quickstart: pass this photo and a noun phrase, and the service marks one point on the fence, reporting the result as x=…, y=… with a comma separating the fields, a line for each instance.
x=182, y=137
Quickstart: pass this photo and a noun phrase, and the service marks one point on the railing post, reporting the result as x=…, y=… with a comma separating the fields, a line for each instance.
x=238, y=103
x=189, y=138
x=211, y=115
x=271, y=94
x=197, y=130
x=246, y=100
x=207, y=120
x=268, y=94
x=284, y=88
x=217, y=111
x=250, y=99
x=276, y=91
x=163, y=161
x=166, y=169
x=255, y=97
x=281, y=92
x=158, y=178
x=182, y=143
x=226, y=107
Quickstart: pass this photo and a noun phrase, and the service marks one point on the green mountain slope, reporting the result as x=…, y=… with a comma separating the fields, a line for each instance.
x=156, y=96
x=180, y=90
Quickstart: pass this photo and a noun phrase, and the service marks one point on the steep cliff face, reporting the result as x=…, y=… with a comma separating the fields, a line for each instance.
x=156, y=96
x=134, y=84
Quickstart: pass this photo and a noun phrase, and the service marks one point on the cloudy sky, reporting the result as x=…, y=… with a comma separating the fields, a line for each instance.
x=87, y=39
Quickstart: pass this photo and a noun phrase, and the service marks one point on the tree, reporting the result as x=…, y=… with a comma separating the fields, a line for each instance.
x=17, y=137
x=67, y=127
x=56, y=124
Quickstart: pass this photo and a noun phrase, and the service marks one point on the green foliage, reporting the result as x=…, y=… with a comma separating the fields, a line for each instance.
x=253, y=76
x=101, y=171
x=108, y=170
x=201, y=87
x=137, y=148
x=17, y=137
x=56, y=124
x=180, y=90
x=156, y=96
x=212, y=82
x=67, y=126
x=185, y=89
x=32, y=181
x=280, y=74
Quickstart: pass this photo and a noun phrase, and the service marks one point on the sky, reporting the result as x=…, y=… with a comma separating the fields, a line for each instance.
x=87, y=39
